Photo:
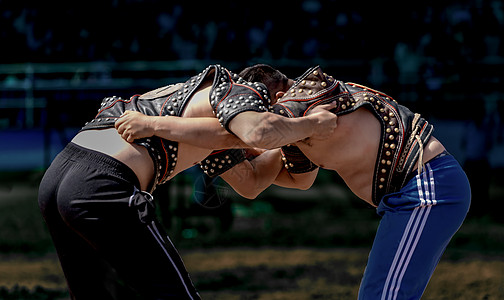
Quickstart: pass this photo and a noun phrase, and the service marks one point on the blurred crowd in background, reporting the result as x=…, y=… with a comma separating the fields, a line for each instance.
x=449, y=43
x=426, y=46
x=447, y=52
x=468, y=30
x=420, y=40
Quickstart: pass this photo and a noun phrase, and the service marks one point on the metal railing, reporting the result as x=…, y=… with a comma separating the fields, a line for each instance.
x=22, y=85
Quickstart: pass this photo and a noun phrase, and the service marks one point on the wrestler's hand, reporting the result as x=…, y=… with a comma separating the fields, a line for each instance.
x=134, y=125
x=325, y=122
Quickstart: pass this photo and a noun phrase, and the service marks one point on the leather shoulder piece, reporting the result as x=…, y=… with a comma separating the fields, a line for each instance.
x=110, y=110
x=231, y=95
x=295, y=161
x=221, y=161
x=313, y=88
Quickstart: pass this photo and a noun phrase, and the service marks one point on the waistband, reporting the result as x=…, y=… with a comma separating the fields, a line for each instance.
x=101, y=161
x=413, y=173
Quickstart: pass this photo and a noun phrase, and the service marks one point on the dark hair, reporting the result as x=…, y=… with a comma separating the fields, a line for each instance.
x=271, y=77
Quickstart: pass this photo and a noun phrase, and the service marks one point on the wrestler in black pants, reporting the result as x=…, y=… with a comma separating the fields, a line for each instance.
x=108, y=241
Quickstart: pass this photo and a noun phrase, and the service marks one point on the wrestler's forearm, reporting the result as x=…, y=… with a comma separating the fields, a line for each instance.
x=261, y=130
x=250, y=178
x=200, y=132
x=301, y=181
x=269, y=131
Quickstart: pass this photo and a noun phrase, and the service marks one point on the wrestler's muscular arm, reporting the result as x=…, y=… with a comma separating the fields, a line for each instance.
x=269, y=131
x=203, y=132
x=250, y=178
x=252, y=129
x=301, y=181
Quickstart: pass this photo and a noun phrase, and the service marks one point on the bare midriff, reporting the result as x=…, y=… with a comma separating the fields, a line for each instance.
x=352, y=150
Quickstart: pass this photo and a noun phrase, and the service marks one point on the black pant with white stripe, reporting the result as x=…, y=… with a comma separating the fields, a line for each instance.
x=108, y=241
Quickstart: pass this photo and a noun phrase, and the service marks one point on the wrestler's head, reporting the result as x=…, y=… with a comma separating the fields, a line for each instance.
x=276, y=82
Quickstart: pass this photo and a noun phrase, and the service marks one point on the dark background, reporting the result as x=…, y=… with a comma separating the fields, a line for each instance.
x=443, y=59
x=59, y=59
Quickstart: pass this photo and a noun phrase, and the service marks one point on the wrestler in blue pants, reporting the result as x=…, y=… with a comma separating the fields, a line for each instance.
x=417, y=224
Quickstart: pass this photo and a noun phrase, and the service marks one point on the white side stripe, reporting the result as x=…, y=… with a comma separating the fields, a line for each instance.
x=426, y=187
x=401, y=246
x=406, y=252
x=411, y=235
x=420, y=192
x=433, y=190
x=424, y=220
x=153, y=229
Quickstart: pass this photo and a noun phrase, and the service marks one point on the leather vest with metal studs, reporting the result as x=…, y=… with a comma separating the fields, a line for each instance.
x=232, y=95
x=403, y=133
x=171, y=101
x=221, y=161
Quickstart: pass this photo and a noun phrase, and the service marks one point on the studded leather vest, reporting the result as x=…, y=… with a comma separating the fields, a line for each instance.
x=403, y=133
x=230, y=95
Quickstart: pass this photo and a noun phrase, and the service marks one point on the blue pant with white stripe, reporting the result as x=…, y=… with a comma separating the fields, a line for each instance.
x=417, y=224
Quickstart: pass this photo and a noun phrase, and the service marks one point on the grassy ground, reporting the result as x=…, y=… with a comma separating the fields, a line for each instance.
x=284, y=245
x=274, y=273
